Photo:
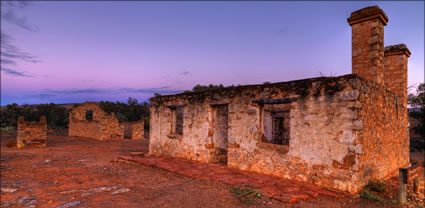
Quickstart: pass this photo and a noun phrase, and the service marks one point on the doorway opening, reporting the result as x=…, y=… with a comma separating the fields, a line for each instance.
x=221, y=125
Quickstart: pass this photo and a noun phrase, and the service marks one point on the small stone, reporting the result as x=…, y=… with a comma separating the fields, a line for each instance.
x=8, y=190
x=350, y=95
x=86, y=194
x=122, y=190
x=71, y=204
x=32, y=202
x=24, y=199
x=357, y=125
x=137, y=153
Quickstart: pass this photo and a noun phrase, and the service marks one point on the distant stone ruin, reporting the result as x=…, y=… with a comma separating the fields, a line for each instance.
x=91, y=121
x=31, y=134
x=336, y=132
x=133, y=130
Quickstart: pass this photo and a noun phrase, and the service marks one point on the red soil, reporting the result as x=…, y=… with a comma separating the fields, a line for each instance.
x=79, y=171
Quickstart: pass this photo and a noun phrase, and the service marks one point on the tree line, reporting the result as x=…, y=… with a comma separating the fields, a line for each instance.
x=58, y=116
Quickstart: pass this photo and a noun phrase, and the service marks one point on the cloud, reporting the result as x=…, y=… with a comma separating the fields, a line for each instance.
x=161, y=90
x=282, y=30
x=12, y=52
x=11, y=17
x=7, y=61
x=9, y=52
x=185, y=73
x=16, y=54
x=15, y=73
x=44, y=96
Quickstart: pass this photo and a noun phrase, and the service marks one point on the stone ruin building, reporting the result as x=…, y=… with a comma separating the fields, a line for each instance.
x=31, y=133
x=133, y=130
x=335, y=132
x=91, y=121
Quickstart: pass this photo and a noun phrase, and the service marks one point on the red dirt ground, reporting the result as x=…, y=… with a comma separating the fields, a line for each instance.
x=79, y=172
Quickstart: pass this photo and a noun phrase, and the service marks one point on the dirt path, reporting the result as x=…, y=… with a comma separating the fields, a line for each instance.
x=78, y=172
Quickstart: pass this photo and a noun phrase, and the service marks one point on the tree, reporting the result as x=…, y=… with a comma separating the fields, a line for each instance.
x=199, y=87
x=417, y=100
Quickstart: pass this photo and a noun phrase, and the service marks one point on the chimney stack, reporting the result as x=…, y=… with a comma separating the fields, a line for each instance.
x=368, y=43
x=395, y=75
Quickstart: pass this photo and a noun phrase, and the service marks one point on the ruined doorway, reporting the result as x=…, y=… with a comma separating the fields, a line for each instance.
x=128, y=131
x=221, y=125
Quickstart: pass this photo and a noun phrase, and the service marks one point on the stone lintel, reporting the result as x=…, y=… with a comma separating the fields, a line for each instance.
x=176, y=106
x=275, y=101
x=397, y=50
x=368, y=13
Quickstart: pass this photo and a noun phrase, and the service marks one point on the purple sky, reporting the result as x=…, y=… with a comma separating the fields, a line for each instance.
x=66, y=52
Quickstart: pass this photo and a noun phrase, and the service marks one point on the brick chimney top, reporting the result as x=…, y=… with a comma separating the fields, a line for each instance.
x=368, y=13
x=397, y=49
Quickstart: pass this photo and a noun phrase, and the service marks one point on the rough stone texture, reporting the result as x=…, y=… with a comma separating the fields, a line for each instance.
x=31, y=133
x=385, y=132
x=103, y=126
x=395, y=76
x=331, y=122
x=368, y=43
x=343, y=130
x=133, y=130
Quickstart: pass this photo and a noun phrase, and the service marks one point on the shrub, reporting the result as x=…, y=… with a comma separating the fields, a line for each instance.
x=377, y=186
x=245, y=194
x=365, y=194
x=8, y=128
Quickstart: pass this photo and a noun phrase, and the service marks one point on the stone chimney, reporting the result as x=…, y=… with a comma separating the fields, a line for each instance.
x=395, y=74
x=368, y=43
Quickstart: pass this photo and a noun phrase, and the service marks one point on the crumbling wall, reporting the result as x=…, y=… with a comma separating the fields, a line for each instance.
x=324, y=120
x=342, y=131
x=31, y=133
x=133, y=130
x=101, y=126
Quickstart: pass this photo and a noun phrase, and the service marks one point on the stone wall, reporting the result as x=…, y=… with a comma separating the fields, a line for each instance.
x=31, y=133
x=133, y=130
x=342, y=131
x=333, y=136
x=102, y=126
x=384, y=133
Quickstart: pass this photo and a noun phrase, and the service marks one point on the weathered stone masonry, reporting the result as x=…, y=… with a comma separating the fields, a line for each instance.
x=31, y=133
x=89, y=120
x=133, y=130
x=337, y=132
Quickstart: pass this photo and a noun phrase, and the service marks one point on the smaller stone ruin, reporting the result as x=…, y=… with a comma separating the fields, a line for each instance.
x=91, y=121
x=133, y=130
x=31, y=133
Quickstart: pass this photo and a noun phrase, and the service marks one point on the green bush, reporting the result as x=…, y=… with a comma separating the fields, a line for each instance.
x=8, y=128
x=245, y=194
x=377, y=186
